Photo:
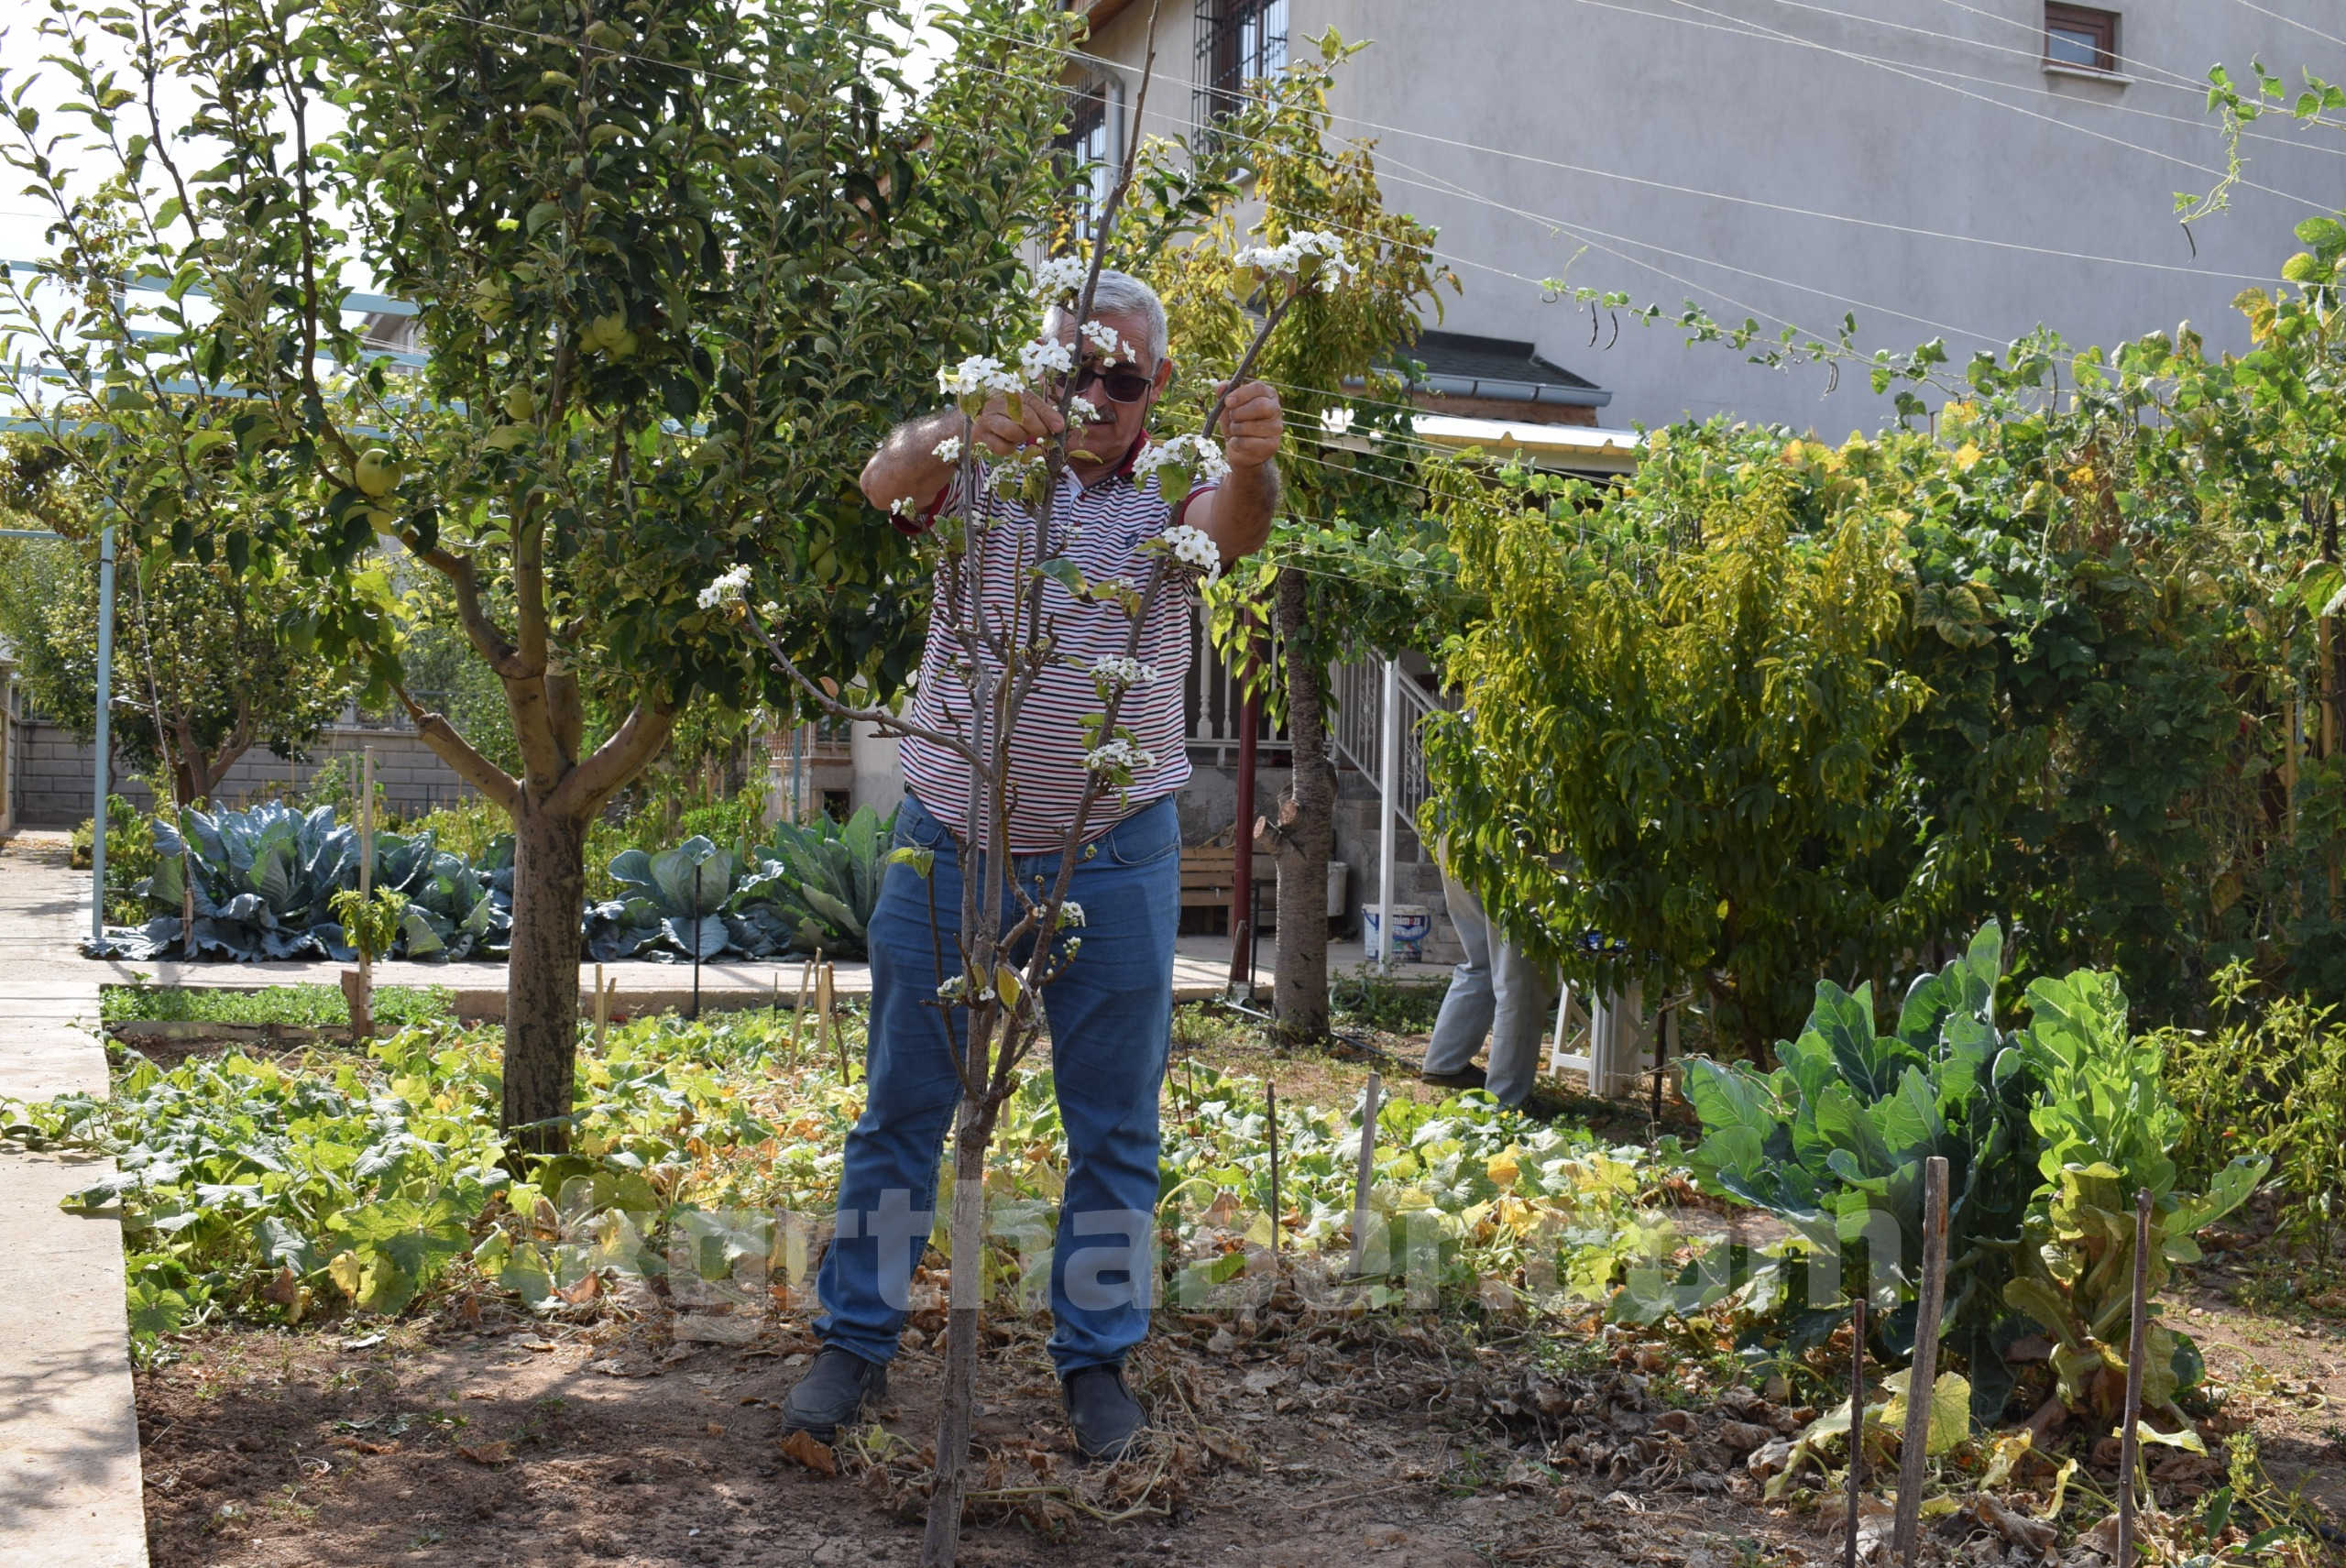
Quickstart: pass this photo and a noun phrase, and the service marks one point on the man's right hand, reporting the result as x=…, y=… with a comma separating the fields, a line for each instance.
x=1002, y=433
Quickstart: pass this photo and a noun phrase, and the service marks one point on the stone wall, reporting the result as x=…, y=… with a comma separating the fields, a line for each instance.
x=54, y=783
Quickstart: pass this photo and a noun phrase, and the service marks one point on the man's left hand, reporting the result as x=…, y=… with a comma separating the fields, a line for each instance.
x=1251, y=425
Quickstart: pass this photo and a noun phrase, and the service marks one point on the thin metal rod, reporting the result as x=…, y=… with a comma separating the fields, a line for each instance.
x=1857, y=1424
x=1388, y=807
x=1242, y=837
x=1660, y=1058
x=1271, y=1124
x=1368, y=1104
x=1922, y=1374
x=104, y=738
x=2129, y=1439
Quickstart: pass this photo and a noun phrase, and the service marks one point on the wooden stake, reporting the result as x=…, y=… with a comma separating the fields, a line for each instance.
x=1857, y=1425
x=2129, y=1444
x=1922, y=1372
x=1271, y=1121
x=798, y=1018
x=824, y=981
x=602, y=1008
x=362, y=1020
x=1368, y=1103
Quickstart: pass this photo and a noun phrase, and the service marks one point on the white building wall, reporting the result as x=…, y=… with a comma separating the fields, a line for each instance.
x=1916, y=115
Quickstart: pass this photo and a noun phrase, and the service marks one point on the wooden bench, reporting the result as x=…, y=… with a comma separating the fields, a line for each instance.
x=1209, y=871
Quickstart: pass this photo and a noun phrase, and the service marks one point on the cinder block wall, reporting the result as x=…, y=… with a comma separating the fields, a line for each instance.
x=55, y=785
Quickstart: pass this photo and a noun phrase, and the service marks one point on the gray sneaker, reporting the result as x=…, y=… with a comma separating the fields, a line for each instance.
x=832, y=1393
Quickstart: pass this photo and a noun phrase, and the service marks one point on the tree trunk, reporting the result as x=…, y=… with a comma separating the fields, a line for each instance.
x=542, y=977
x=1306, y=840
x=943, y=1539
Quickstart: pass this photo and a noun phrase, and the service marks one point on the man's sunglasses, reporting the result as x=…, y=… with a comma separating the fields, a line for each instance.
x=1121, y=385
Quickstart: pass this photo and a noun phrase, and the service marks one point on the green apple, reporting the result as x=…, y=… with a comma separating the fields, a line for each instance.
x=378, y=471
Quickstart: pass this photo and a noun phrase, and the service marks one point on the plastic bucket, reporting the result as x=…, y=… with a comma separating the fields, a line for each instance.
x=1412, y=924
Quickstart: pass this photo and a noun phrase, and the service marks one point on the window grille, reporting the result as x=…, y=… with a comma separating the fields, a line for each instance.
x=1086, y=154
x=1239, y=42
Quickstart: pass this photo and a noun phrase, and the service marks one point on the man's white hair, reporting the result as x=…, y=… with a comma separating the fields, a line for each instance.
x=1121, y=294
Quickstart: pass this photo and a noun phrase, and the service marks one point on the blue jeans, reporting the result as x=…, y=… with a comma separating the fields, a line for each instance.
x=1111, y=1020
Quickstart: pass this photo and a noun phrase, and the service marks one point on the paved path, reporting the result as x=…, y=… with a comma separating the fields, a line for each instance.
x=1200, y=969
x=69, y=1489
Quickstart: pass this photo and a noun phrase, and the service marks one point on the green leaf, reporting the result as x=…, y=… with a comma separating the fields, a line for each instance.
x=1950, y=1419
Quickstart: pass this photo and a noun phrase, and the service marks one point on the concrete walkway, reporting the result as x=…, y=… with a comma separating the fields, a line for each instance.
x=70, y=1487
x=1200, y=970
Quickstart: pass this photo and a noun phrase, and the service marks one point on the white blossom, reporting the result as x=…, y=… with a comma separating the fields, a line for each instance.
x=726, y=589
x=1110, y=755
x=950, y=449
x=1312, y=255
x=1044, y=355
x=1194, y=547
x=1070, y=913
x=1122, y=672
x=1083, y=411
x=1194, y=454
x=979, y=376
x=1103, y=337
x=901, y=507
x=1054, y=280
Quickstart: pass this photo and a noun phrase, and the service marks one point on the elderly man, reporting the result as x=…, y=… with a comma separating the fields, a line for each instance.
x=1111, y=1011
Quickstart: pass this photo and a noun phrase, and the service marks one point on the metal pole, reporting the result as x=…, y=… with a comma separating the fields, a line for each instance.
x=104, y=705
x=1388, y=808
x=1367, y=1168
x=1242, y=844
x=1271, y=1126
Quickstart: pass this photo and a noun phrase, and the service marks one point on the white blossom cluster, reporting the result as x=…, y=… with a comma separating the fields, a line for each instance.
x=1057, y=279
x=1123, y=672
x=1083, y=411
x=1194, y=547
x=980, y=376
x=950, y=449
x=1070, y=913
x=1110, y=755
x=1195, y=455
x=1105, y=338
x=726, y=588
x=1044, y=355
x=1312, y=255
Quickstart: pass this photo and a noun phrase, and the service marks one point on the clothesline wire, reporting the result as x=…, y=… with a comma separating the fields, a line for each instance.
x=1748, y=29
x=2292, y=21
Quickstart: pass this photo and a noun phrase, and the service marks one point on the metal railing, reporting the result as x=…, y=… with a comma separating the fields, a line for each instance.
x=1213, y=700
x=1356, y=732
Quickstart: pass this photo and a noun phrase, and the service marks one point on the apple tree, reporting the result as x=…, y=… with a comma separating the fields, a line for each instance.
x=676, y=264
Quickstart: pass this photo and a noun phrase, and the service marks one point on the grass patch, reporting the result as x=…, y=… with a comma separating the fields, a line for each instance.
x=297, y=1007
x=1365, y=1000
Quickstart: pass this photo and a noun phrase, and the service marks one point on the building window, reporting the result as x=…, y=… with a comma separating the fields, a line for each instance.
x=2080, y=37
x=1239, y=42
x=1087, y=155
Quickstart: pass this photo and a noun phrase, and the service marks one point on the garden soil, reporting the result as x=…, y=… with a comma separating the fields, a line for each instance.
x=1291, y=1442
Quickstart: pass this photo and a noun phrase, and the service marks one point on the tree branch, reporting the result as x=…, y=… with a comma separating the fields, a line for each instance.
x=485, y=635
x=568, y=713
x=597, y=777
x=457, y=752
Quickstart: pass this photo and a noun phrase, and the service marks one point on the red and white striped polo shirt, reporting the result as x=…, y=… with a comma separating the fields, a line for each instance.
x=1114, y=518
